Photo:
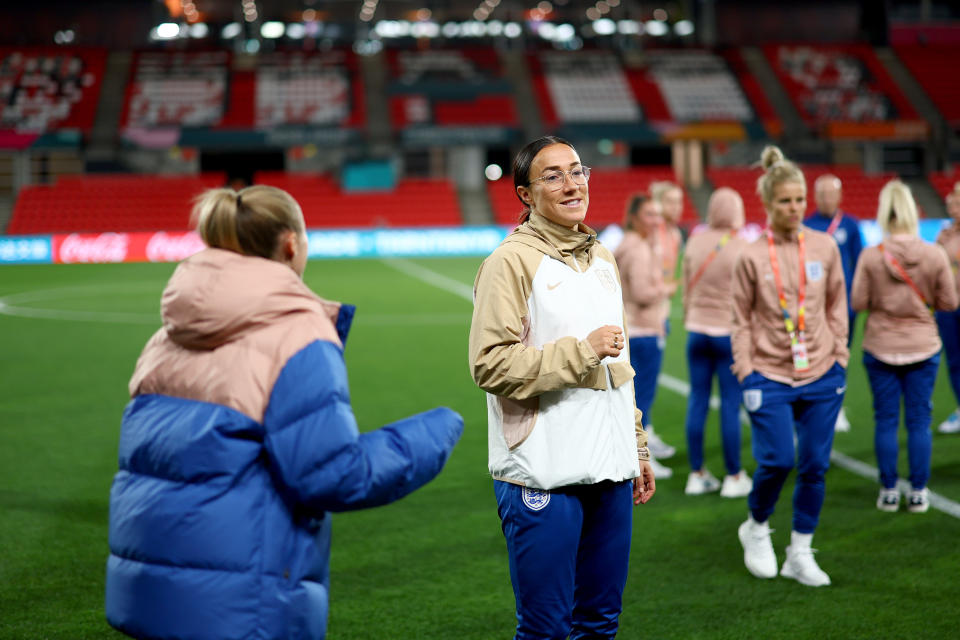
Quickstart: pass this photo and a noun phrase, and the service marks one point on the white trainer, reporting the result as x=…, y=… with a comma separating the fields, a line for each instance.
x=918, y=501
x=660, y=472
x=951, y=424
x=699, y=483
x=758, y=555
x=888, y=500
x=736, y=486
x=843, y=424
x=801, y=567
x=657, y=446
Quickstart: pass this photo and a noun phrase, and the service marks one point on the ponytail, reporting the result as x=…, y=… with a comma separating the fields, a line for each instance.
x=249, y=222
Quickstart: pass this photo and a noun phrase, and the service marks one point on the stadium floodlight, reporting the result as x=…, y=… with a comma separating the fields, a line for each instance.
x=628, y=27
x=683, y=28
x=252, y=46
x=450, y=30
x=495, y=28
x=656, y=28
x=199, y=30
x=424, y=29
x=231, y=30
x=296, y=31
x=272, y=29
x=564, y=33
x=604, y=27
x=473, y=29
x=547, y=30
x=165, y=31
x=512, y=30
x=493, y=172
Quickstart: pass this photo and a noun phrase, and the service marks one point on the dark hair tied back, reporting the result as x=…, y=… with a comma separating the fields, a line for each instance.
x=522, y=163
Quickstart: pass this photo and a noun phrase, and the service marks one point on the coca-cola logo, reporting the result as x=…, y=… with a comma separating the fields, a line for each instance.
x=173, y=247
x=103, y=247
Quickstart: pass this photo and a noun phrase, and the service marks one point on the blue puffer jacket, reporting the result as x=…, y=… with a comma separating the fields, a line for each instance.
x=239, y=440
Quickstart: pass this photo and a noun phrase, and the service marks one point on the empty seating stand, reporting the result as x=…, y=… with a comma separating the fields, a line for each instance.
x=177, y=89
x=610, y=189
x=309, y=88
x=109, y=203
x=698, y=86
x=46, y=89
x=930, y=65
x=449, y=88
x=413, y=203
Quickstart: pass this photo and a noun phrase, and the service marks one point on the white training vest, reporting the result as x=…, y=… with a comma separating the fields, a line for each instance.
x=580, y=436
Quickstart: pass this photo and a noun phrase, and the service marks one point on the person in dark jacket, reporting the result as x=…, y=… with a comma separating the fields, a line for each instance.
x=240, y=439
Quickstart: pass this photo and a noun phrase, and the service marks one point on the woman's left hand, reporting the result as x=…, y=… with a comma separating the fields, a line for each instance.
x=645, y=485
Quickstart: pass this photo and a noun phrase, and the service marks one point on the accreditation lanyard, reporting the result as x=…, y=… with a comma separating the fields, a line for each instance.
x=713, y=254
x=834, y=223
x=906, y=277
x=798, y=345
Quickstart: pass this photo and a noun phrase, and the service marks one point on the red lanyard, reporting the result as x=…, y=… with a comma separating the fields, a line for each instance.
x=801, y=288
x=713, y=254
x=906, y=278
x=834, y=223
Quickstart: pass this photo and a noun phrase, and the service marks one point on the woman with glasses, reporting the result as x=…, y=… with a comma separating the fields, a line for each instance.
x=901, y=282
x=645, y=295
x=567, y=458
x=790, y=354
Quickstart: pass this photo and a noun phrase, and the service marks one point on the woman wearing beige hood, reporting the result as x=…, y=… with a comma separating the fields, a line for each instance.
x=790, y=353
x=901, y=282
x=707, y=274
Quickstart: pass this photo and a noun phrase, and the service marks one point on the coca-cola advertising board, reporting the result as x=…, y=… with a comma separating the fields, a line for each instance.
x=159, y=246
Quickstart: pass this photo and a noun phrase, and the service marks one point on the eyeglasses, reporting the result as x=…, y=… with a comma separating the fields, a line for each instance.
x=554, y=180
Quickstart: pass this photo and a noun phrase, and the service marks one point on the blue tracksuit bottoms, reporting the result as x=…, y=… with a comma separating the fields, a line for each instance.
x=776, y=410
x=949, y=324
x=569, y=550
x=646, y=357
x=708, y=356
x=914, y=383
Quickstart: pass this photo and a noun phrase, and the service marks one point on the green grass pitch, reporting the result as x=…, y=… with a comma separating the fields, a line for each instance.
x=433, y=566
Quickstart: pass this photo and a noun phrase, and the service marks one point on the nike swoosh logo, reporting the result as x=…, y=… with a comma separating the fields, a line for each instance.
x=841, y=390
x=551, y=287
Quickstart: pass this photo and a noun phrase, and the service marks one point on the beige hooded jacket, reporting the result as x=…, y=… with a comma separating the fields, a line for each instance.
x=535, y=299
x=900, y=328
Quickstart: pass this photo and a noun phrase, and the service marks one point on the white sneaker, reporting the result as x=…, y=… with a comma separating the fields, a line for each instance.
x=951, y=424
x=657, y=446
x=736, y=486
x=660, y=472
x=801, y=566
x=888, y=500
x=758, y=555
x=842, y=425
x=918, y=501
x=701, y=483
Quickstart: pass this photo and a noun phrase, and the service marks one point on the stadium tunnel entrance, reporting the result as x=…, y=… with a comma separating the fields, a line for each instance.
x=241, y=165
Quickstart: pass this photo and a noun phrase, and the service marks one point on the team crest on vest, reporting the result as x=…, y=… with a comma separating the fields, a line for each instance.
x=840, y=235
x=535, y=499
x=606, y=279
x=753, y=399
x=814, y=270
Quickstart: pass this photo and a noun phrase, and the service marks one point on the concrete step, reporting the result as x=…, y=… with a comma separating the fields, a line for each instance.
x=793, y=124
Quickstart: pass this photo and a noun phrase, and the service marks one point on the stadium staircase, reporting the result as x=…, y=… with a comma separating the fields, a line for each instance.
x=759, y=66
x=518, y=73
x=373, y=70
x=102, y=153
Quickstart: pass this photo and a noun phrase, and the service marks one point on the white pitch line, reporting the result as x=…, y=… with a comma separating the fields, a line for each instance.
x=681, y=387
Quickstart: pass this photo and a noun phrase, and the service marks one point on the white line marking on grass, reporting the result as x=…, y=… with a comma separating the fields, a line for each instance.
x=430, y=276
x=681, y=387
x=842, y=460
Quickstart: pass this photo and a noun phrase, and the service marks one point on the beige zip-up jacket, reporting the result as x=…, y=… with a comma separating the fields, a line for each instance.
x=645, y=293
x=949, y=239
x=536, y=298
x=707, y=304
x=760, y=340
x=900, y=328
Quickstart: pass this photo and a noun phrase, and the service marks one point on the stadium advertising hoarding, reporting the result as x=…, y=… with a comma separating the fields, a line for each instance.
x=173, y=246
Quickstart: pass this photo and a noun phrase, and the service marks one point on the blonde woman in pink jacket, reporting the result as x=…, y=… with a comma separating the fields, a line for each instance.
x=707, y=276
x=901, y=282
